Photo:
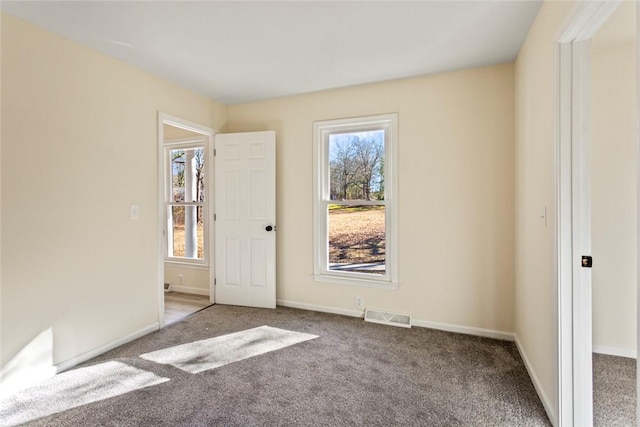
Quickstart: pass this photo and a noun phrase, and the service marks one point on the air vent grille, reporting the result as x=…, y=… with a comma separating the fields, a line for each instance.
x=387, y=318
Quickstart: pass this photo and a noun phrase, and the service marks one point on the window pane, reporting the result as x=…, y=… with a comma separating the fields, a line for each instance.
x=357, y=239
x=188, y=232
x=356, y=166
x=187, y=175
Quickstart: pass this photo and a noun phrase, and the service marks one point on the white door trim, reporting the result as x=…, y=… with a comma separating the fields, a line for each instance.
x=166, y=119
x=573, y=198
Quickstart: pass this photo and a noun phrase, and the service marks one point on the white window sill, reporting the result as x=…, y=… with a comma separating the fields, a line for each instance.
x=355, y=281
x=186, y=264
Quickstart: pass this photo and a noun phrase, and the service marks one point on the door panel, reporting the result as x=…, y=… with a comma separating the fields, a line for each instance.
x=245, y=207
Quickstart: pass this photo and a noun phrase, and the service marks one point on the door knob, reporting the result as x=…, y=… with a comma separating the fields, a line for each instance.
x=269, y=228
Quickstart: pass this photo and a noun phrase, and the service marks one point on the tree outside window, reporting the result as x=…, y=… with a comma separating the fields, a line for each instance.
x=355, y=202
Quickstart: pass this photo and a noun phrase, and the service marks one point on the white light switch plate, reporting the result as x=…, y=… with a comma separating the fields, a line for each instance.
x=134, y=212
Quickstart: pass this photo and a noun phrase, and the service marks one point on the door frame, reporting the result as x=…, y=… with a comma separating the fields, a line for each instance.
x=166, y=119
x=573, y=219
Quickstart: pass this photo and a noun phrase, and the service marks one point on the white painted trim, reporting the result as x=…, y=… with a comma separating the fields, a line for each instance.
x=166, y=119
x=321, y=132
x=353, y=280
x=189, y=290
x=562, y=231
x=546, y=402
x=194, y=140
x=88, y=355
x=467, y=330
x=581, y=226
x=571, y=174
x=184, y=265
x=320, y=308
x=161, y=217
x=615, y=351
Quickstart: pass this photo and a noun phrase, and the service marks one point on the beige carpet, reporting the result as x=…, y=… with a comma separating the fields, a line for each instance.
x=354, y=374
x=614, y=391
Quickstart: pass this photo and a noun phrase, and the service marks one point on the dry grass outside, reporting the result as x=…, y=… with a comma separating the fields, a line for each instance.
x=356, y=234
x=178, y=240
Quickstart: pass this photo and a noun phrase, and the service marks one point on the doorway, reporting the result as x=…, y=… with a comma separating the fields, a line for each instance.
x=185, y=194
x=613, y=143
x=574, y=225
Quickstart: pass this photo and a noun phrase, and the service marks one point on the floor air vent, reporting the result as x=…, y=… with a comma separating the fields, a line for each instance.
x=386, y=318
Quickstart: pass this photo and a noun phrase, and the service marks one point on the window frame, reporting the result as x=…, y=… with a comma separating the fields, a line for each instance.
x=322, y=130
x=185, y=144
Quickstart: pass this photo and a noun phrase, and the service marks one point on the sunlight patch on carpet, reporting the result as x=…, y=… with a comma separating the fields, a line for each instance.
x=72, y=389
x=199, y=356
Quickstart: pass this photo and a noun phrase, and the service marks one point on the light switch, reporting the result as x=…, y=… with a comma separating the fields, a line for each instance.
x=134, y=212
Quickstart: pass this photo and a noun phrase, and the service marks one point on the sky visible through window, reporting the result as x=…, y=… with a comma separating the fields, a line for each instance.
x=356, y=165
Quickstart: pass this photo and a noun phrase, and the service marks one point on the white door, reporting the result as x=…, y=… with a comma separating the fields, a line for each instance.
x=245, y=215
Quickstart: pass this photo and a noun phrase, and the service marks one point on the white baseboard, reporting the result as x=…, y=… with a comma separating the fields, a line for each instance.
x=469, y=330
x=189, y=290
x=615, y=351
x=321, y=308
x=488, y=333
x=70, y=363
x=548, y=407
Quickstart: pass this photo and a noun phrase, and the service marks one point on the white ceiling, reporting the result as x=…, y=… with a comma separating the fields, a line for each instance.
x=239, y=51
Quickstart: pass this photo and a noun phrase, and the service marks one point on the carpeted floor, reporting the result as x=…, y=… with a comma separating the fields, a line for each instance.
x=614, y=391
x=354, y=373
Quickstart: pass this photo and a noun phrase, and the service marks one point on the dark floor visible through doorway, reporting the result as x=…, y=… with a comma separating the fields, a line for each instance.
x=614, y=391
x=178, y=305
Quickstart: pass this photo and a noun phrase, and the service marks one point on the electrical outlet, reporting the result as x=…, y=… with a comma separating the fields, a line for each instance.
x=180, y=278
x=359, y=302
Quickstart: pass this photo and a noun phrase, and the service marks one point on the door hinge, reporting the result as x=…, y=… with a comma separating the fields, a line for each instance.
x=215, y=281
x=214, y=217
x=215, y=152
x=587, y=261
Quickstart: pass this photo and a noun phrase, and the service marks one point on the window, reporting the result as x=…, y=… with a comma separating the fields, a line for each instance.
x=355, y=206
x=186, y=202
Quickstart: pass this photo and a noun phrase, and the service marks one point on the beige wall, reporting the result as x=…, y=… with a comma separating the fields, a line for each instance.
x=455, y=194
x=473, y=250
x=194, y=280
x=613, y=197
x=172, y=132
x=535, y=284
x=79, y=145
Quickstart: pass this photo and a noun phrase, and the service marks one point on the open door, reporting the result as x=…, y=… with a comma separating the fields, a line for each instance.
x=573, y=232
x=245, y=214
